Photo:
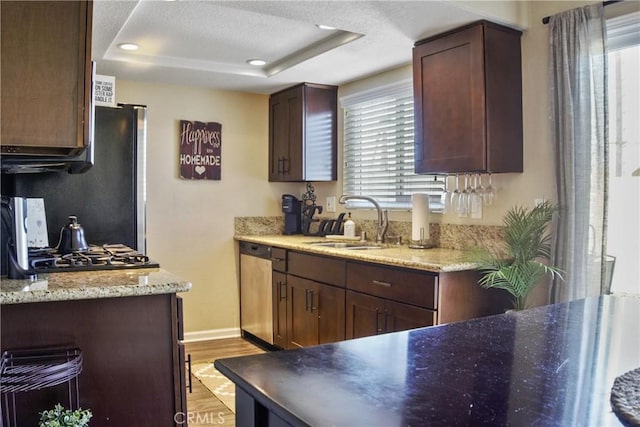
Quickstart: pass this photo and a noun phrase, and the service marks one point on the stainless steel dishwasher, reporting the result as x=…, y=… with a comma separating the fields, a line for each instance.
x=256, y=303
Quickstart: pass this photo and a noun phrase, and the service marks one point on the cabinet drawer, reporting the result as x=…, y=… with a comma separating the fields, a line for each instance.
x=411, y=287
x=318, y=268
x=279, y=259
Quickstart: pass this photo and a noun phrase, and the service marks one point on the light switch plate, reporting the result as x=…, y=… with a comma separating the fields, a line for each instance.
x=331, y=204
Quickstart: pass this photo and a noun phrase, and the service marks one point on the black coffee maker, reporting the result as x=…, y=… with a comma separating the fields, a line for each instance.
x=292, y=208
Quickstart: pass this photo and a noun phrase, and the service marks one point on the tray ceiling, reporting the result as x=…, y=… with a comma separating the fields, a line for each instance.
x=207, y=43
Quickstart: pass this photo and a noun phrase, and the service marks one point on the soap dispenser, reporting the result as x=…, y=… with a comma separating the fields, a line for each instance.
x=349, y=227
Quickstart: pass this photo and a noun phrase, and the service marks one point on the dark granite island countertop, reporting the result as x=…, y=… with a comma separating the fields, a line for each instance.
x=548, y=366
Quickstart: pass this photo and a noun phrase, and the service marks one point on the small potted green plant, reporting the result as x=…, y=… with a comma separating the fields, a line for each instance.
x=60, y=417
x=519, y=268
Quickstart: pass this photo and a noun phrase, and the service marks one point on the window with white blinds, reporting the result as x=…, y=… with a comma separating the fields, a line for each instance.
x=378, y=149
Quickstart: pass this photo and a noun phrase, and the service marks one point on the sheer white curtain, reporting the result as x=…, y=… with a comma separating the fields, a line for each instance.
x=578, y=80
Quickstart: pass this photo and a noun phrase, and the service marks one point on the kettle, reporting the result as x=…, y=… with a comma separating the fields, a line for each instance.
x=72, y=237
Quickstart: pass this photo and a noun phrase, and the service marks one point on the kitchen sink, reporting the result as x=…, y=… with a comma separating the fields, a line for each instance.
x=355, y=246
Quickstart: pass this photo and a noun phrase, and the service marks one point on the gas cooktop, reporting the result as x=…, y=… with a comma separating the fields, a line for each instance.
x=105, y=257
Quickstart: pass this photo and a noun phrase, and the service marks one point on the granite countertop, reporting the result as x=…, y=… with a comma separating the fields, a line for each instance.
x=91, y=285
x=551, y=366
x=434, y=260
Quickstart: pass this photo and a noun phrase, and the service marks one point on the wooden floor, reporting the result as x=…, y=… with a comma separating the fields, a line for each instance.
x=204, y=409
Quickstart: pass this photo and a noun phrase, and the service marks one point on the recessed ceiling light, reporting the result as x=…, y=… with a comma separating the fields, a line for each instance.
x=128, y=46
x=256, y=62
x=325, y=27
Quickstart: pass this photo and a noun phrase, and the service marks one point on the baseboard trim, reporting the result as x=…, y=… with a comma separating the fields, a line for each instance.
x=211, y=334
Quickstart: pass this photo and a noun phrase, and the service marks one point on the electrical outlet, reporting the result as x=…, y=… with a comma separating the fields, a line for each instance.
x=538, y=202
x=331, y=204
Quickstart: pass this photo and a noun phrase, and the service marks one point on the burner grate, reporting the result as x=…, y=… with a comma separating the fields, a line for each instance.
x=95, y=258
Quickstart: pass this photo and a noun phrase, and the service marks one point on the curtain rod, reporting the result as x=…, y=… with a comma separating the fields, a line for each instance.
x=545, y=20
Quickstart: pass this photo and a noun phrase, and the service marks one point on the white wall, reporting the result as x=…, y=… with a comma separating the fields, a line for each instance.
x=190, y=223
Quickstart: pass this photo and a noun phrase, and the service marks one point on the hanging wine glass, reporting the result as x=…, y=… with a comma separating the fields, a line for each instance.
x=481, y=189
x=461, y=202
x=475, y=199
x=455, y=196
x=446, y=196
x=468, y=191
x=489, y=195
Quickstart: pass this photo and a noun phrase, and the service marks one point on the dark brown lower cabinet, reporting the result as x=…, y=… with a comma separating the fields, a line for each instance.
x=303, y=312
x=320, y=299
x=315, y=313
x=367, y=315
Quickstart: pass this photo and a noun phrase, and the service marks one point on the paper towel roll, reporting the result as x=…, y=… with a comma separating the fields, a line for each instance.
x=420, y=216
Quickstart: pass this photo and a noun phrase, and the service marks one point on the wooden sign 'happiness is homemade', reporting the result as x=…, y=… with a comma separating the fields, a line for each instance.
x=200, y=150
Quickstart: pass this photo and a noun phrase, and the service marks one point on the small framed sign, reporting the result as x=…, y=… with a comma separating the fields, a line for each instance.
x=104, y=91
x=200, y=150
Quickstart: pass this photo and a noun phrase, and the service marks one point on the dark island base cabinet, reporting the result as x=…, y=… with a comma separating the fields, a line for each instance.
x=132, y=373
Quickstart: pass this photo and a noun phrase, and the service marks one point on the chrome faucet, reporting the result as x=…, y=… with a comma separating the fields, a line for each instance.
x=383, y=220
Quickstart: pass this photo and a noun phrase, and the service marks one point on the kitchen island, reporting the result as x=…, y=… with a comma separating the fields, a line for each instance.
x=127, y=324
x=551, y=366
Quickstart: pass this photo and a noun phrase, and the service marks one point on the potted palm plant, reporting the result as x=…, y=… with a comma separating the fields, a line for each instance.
x=520, y=267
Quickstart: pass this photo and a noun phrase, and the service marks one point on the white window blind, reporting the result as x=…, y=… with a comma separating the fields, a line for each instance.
x=623, y=31
x=378, y=149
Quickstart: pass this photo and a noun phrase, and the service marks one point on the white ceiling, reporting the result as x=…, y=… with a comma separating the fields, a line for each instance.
x=207, y=43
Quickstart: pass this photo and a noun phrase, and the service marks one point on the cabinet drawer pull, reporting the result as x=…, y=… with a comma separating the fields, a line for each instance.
x=378, y=282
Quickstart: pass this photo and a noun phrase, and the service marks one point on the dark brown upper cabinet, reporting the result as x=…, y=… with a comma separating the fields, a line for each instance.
x=46, y=77
x=303, y=133
x=468, y=100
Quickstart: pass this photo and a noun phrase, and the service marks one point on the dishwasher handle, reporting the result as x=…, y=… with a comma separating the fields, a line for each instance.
x=255, y=249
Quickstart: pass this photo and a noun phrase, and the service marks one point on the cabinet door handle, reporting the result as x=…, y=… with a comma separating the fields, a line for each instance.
x=280, y=165
x=313, y=307
x=378, y=282
x=306, y=300
x=378, y=328
x=283, y=295
x=189, y=365
x=386, y=316
x=285, y=165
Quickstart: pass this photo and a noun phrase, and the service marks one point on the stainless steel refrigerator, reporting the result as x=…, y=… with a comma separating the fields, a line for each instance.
x=109, y=198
